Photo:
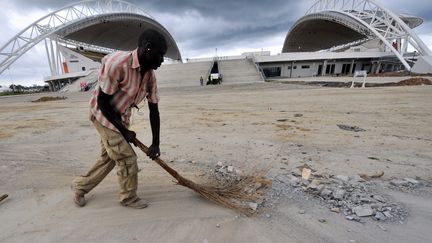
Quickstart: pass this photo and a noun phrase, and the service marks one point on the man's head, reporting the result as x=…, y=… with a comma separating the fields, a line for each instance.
x=152, y=47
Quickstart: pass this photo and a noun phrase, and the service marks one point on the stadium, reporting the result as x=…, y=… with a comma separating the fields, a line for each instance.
x=333, y=38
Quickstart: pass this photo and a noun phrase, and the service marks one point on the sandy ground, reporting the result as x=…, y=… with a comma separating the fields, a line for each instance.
x=43, y=146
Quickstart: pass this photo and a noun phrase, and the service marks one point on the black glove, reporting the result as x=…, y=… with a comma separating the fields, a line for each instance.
x=154, y=152
x=129, y=136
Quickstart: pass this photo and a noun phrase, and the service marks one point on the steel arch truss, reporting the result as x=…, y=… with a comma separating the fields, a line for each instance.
x=50, y=24
x=381, y=22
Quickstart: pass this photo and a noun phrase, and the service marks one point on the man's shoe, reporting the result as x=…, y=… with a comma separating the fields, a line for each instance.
x=79, y=199
x=136, y=202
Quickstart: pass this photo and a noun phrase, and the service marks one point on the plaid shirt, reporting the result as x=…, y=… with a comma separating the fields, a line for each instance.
x=120, y=76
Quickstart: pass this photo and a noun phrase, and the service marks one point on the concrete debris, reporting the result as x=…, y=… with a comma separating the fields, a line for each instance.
x=380, y=216
x=363, y=211
x=306, y=173
x=387, y=214
x=339, y=194
x=253, y=206
x=342, y=178
x=301, y=212
x=398, y=182
x=326, y=192
x=350, y=128
x=322, y=220
x=352, y=196
x=378, y=198
x=356, y=178
x=314, y=185
x=412, y=181
x=416, y=185
x=335, y=210
x=369, y=177
x=294, y=181
x=230, y=169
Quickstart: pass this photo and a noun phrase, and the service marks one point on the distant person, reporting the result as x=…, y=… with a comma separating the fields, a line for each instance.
x=201, y=81
x=125, y=79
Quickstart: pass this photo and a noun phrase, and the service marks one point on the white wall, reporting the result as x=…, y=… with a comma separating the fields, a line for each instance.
x=299, y=69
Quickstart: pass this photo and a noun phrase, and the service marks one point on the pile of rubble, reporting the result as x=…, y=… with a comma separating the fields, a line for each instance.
x=49, y=98
x=414, y=81
x=353, y=196
x=356, y=197
x=417, y=185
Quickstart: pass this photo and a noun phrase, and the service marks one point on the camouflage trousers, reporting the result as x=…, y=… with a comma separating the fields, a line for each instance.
x=115, y=150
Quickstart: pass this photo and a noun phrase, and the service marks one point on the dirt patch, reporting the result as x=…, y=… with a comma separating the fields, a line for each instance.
x=414, y=81
x=23, y=126
x=49, y=98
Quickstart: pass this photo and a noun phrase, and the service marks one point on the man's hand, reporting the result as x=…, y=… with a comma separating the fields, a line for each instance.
x=154, y=152
x=129, y=136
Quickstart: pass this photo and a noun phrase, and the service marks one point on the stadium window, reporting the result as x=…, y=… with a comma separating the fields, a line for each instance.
x=305, y=67
x=295, y=67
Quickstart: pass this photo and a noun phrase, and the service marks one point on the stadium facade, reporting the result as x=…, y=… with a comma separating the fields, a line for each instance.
x=333, y=38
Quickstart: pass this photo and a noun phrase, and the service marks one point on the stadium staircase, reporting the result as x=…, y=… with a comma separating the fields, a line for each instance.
x=239, y=71
x=182, y=74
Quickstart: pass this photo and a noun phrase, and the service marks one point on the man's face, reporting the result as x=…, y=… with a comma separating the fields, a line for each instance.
x=151, y=56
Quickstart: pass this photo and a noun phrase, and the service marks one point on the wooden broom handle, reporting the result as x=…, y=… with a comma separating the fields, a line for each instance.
x=170, y=170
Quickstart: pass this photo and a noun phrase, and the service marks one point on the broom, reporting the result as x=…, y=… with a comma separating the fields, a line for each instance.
x=232, y=193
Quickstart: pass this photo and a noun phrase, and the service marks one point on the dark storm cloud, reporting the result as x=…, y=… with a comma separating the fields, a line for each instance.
x=205, y=24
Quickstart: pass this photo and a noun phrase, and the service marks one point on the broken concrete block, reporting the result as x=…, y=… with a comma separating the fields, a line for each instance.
x=306, y=173
x=356, y=178
x=294, y=181
x=379, y=198
x=253, y=206
x=380, y=216
x=325, y=193
x=412, y=181
x=398, y=182
x=230, y=169
x=363, y=211
x=342, y=178
x=314, y=184
x=335, y=210
x=387, y=214
x=339, y=193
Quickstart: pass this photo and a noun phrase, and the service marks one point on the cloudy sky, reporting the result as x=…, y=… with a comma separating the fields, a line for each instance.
x=198, y=26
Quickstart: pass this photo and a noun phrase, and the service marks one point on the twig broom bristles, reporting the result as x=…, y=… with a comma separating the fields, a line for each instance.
x=230, y=194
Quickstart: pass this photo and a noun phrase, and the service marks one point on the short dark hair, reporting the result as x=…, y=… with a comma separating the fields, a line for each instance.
x=153, y=37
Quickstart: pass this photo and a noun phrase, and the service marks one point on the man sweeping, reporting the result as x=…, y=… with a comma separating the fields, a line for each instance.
x=125, y=80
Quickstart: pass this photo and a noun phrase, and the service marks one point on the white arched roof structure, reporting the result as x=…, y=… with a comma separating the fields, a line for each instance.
x=106, y=24
x=354, y=21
